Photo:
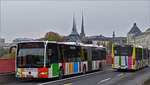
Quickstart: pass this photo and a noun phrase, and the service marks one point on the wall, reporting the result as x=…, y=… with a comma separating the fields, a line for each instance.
x=7, y=66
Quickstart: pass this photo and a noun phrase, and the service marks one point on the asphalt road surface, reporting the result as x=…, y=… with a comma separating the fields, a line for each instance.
x=105, y=77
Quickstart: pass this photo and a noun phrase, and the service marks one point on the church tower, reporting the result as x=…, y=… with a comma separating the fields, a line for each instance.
x=135, y=31
x=113, y=37
x=82, y=34
x=74, y=36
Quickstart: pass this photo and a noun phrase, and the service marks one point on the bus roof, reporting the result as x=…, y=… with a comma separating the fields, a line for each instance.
x=30, y=41
x=138, y=46
x=68, y=43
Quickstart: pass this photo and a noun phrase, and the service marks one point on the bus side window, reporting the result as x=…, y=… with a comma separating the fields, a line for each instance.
x=104, y=55
x=137, y=54
x=78, y=54
x=140, y=53
x=85, y=54
x=49, y=52
x=62, y=53
x=52, y=53
x=94, y=54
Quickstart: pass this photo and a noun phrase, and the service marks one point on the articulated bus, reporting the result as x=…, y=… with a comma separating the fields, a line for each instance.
x=129, y=57
x=43, y=59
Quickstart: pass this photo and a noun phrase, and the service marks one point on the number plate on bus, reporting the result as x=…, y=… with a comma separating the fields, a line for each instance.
x=31, y=69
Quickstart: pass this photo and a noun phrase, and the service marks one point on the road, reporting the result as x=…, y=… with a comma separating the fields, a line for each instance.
x=106, y=77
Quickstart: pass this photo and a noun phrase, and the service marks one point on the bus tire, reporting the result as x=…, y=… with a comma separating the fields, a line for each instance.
x=84, y=69
x=100, y=66
x=61, y=73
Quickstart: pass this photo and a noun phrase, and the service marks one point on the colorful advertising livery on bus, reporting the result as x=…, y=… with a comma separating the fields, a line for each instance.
x=130, y=57
x=57, y=59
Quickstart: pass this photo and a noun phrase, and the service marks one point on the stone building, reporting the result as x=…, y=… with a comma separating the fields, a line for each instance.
x=143, y=39
x=82, y=34
x=100, y=39
x=18, y=40
x=135, y=35
x=135, y=31
x=2, y=42
x=74, y=36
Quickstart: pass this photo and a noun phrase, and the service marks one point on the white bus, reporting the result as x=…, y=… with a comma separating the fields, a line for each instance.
x=130, y=57
x=56, y=59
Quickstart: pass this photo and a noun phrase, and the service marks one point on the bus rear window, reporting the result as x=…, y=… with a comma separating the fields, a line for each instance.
x=123, y=51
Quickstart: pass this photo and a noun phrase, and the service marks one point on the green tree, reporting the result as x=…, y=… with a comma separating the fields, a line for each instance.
x=53, y=36
x=3, y=51
x=10, y=55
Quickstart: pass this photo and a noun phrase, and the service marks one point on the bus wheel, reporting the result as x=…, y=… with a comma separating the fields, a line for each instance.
x=84, y=69
x=61, y=73
x=100, y=66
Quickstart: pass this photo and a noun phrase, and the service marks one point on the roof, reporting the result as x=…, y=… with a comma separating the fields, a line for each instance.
x=74, y=29
x=100, y=37
x=148, y=30
x=135, y=30
x=137, y=46
x=92, y=45
x=30, y=41
x=68, y=43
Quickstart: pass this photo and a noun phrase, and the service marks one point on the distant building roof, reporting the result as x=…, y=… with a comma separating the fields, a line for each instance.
x=100, y=37
x=22, y=40
x=148, y=30
x=2, y=40
x=135, y=30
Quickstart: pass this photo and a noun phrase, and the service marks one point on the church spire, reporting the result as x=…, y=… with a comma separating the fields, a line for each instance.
x=74, y=28
x=113, y=36
x=74, y=36
x=82, y=34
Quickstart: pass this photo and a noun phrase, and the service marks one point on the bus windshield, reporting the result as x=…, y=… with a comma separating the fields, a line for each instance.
x=123, y=50
x=30, y=54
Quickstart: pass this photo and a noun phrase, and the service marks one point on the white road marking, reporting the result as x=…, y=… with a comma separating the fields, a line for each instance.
x=120, y=74
x=69, y=78
x=68, y=84
x=104, y=80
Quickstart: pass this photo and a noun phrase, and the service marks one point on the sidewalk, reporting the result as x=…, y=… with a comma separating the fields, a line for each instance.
x=7, y=77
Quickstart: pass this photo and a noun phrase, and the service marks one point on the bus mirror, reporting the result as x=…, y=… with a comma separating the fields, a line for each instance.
x=12, y=48
x=50, y=65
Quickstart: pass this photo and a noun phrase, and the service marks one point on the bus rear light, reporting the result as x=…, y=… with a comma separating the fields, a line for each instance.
x=133, y=61
x=112, y=60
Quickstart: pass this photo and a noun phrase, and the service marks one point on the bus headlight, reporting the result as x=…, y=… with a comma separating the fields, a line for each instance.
x=43, y=73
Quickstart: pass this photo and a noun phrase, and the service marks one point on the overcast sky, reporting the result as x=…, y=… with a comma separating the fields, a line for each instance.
x=32, y=19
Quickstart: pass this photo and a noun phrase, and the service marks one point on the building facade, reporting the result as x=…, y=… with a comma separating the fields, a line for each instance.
x=18, y=40
x=143, y=39
x=135, y=35
x=2, y=42
x=135, y=31
x=82, y=34
x=74, y=36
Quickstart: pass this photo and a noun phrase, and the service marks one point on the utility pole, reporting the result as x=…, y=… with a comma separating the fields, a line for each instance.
x=0, y=19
